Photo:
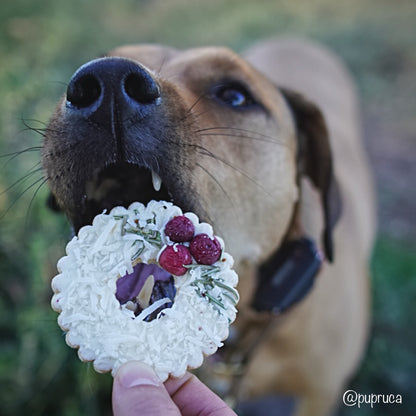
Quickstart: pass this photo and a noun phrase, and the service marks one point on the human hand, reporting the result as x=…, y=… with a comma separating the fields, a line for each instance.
x=138, y=391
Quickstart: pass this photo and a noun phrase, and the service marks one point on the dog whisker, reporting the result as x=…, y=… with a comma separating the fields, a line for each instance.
x=197, y=116
x=205, y=152
x=218, y=183
x=239, y=136
x=162, y=64
x=190, y=109
x=244, y=134
x=14, y=155
x=39, y=130
x=31, y=172
x=33, y=198
x=21, y=194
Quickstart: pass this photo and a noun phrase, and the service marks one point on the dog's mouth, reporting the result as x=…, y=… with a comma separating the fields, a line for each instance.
x=118, y=184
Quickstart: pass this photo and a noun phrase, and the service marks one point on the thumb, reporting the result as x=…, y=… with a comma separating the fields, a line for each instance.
x=138, y=391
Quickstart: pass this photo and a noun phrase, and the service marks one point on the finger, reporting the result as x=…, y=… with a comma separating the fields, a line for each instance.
x=193, y=397
x=138, y=391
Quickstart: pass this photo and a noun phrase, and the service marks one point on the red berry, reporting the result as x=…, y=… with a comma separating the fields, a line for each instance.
x=173, y=258
x=204, y=249
x=180, y=229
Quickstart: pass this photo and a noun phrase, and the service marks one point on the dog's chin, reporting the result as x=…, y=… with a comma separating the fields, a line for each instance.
x=118, y=184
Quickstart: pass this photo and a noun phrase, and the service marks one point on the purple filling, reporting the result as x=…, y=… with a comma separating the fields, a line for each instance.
x=130, y=285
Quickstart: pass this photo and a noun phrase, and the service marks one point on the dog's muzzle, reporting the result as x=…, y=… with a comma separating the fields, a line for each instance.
x=111, y=126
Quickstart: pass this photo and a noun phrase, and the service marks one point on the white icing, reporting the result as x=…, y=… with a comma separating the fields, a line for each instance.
x=109, y=333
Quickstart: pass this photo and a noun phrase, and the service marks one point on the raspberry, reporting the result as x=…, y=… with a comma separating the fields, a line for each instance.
x=180, y=229
x=204, y=249
x=173, y=258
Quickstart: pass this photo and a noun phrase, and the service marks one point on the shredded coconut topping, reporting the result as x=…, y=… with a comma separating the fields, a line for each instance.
x=109, y=333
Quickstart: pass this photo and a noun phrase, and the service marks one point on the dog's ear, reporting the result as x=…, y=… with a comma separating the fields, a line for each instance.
x=315, y=160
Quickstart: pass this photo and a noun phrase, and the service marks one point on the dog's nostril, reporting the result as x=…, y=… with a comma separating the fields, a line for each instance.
x=141, y=88
x=83, y=91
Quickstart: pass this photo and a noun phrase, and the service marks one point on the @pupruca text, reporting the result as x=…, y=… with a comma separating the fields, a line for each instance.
x=352, y=398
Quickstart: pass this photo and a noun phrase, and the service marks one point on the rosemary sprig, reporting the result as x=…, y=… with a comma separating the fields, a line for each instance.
x=151, y=236
x=136, y=255
x=207, y=270
x=228, y=289
x=212, y=283
x=215, y=301
x=208, y=283
x=119, y=217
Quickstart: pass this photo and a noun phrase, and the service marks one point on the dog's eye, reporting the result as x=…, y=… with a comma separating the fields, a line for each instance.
x=234, y=95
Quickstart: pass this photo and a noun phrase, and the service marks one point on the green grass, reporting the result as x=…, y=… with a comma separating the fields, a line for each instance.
x=42, y=43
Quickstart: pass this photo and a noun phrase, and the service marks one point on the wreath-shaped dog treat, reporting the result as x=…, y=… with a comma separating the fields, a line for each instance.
x=146, y=283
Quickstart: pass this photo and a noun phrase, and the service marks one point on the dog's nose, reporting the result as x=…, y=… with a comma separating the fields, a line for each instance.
x=105, y=85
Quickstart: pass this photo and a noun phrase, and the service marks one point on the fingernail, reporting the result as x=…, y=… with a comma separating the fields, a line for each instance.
x=135, y=373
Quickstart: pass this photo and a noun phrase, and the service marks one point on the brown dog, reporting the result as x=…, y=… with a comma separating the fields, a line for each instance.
x=234, y=143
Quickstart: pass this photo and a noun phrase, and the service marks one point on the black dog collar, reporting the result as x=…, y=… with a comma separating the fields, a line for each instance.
x=288, y=276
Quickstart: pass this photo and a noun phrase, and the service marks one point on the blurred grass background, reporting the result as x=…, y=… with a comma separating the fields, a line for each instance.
x=43, y=42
